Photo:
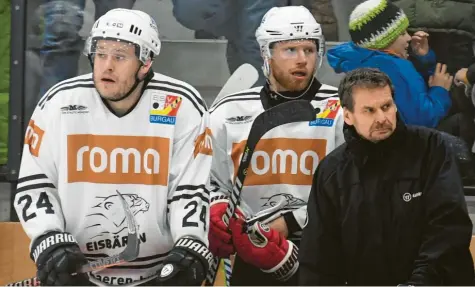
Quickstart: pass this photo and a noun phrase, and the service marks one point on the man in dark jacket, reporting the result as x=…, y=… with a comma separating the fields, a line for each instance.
x=386, y=207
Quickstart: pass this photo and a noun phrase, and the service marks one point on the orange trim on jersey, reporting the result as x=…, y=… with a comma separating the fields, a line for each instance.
x=118, y=159
x=203, y=144
x=281, y=160
x=34, y=137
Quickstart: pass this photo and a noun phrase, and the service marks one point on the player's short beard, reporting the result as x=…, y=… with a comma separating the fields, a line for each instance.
x=288, y=82
x=123, y=93
x=117, y=97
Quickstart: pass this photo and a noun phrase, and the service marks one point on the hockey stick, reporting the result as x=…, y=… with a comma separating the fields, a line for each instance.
x=130, y=252
x=243, y=78
x=289, y=112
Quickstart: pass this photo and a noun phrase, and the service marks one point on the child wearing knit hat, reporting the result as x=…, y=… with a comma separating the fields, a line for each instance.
x=376, y=24
x=380, y=40
x=381, y=25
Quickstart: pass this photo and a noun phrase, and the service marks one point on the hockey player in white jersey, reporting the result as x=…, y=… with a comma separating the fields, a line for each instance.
x=280, y=175
x=122, y=128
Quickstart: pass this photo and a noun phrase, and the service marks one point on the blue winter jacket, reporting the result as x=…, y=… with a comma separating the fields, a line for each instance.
x=416, y=102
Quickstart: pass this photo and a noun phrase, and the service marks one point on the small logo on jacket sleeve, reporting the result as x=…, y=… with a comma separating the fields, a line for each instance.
x=408, y=197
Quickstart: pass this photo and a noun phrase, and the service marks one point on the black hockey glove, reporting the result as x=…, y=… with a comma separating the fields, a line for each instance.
x=57, y=256
x=186, y=265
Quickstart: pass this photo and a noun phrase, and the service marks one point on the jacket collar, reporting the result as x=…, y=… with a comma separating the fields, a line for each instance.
x=363, y=150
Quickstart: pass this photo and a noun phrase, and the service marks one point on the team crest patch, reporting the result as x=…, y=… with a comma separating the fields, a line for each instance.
x=326, y=117
x=164, y=108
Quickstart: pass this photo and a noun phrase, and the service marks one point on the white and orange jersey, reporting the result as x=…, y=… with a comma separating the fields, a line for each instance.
x=281, y=170
x=77, y=153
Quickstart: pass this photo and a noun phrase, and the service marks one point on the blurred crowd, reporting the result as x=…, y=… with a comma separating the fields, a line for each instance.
x=447, y=27
x=449, y=24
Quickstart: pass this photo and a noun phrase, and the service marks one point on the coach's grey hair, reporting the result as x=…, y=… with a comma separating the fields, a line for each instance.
x=368, y=78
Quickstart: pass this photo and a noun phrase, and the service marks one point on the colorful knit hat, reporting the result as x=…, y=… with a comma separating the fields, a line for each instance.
x=376, y=24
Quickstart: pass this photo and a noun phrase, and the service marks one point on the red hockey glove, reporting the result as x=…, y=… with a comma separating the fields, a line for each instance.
x=220, y=240
x=265, y=248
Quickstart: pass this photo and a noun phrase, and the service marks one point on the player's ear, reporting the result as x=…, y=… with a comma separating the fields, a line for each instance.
x=146, y=67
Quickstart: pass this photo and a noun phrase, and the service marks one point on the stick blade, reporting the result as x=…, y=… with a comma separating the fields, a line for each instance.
x=243, y=78
x=131, y=251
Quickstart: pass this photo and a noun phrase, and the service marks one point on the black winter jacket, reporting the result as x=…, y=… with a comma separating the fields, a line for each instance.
x=388, y=213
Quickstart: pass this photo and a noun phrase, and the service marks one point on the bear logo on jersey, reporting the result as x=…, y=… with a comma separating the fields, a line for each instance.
x=110, y=215
x=283, y=200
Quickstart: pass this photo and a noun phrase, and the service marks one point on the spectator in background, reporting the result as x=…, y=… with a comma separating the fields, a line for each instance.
x=450, y=24
x=323, y=12
x=62, y=45
x=379, y=40
x=451, y=27
x=342, y=10
x=236, y=20
x=465, y=76
x=452, y=33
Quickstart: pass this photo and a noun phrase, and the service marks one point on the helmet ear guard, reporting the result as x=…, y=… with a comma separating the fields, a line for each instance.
x=266, y=67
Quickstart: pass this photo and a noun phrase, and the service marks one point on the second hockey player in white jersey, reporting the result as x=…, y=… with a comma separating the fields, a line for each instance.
x=122, y=128
x=280, y=175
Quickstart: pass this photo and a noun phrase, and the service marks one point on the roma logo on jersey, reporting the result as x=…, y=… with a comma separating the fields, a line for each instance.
x=118, y=159
x=281, y=160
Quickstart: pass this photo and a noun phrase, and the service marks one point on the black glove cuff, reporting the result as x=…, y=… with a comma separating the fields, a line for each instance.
x=197, y=248
x=52, y=240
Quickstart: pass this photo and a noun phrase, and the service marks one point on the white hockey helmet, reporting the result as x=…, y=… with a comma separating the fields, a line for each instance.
x=132, y=26
x=289, y=23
